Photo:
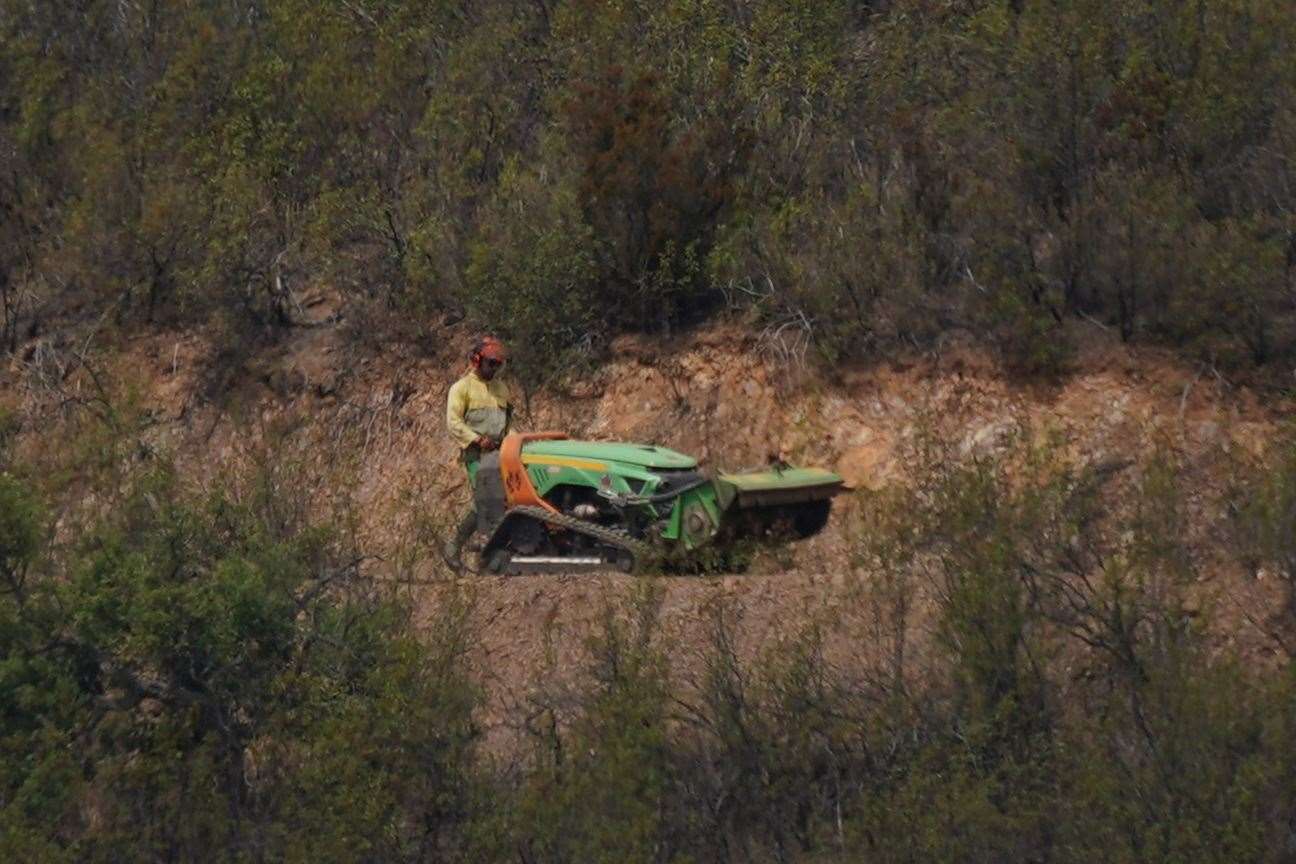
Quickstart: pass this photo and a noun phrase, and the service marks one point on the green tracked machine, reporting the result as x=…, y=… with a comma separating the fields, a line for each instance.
x=547, y=504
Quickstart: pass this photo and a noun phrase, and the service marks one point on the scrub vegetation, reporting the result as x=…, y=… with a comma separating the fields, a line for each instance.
x=226, y=674
x=845, y=176
x=221, y=669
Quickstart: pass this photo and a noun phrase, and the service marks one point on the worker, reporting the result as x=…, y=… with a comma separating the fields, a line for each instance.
x=478, y=415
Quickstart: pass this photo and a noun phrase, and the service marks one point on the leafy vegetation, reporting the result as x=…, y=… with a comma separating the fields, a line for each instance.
x=851, y=176
x=192, y=681
x=1029, y=674
x=223, y=674
x=1073, y=705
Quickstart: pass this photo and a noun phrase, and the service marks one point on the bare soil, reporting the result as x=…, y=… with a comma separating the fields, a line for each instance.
x=368, y=422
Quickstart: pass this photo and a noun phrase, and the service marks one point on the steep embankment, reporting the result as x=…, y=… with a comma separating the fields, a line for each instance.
x=347, y=419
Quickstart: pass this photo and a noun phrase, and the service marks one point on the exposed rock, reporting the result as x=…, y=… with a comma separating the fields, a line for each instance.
x=986, y=438
x=866, y=467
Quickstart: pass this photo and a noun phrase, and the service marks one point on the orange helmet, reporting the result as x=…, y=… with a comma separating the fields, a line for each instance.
x=488, y=347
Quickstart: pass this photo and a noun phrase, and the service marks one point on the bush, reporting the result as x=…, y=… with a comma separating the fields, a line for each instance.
x=1262, y=507
x=865, y=179
x=213, y=678
x=599, y=790
x=533, y=276
x=227, y=690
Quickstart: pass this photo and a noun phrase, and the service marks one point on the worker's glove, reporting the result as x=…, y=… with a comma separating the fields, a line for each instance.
x=486, y=443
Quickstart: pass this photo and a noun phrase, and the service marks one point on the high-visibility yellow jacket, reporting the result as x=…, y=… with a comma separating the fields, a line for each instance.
x=475, y=408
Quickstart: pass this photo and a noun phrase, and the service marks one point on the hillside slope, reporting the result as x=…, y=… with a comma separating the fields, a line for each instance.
x=368, y=424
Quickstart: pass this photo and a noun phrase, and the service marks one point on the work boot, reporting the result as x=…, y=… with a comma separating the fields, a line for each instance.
x=463, y=533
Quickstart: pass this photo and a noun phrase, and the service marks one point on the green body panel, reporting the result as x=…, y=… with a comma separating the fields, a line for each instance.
x=705, y=501
x=644, y=455
x=546, y=477
x=777, y=486
x=629, y=470
x=633, y=472
x=781, y=478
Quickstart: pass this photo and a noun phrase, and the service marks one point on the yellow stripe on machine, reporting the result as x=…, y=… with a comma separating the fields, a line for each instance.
x=565, y=462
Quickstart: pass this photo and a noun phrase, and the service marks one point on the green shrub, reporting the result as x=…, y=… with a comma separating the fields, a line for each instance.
x=1262, y=507
x=599, y=790
x=532, y=276
x=851, y=180
x=228, y=690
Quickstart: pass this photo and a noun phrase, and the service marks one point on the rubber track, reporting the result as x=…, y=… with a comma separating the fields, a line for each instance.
x=641, y=551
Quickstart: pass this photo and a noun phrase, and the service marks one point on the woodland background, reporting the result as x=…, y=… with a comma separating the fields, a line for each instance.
x=853, y=176
x=226, y=672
